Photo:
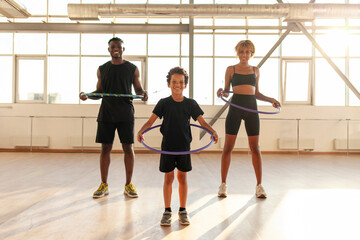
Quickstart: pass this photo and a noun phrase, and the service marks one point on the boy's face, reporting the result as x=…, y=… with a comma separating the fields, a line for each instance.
x=116, y=49
x=177, y=83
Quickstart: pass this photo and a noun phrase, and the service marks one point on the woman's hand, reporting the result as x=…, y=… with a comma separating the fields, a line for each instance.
x=275, y=103
x=219, y=92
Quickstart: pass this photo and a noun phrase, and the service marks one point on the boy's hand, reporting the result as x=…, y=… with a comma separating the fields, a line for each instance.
x=140, y=137
x=216, y=138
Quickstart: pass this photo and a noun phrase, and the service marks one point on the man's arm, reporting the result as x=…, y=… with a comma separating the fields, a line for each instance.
x=98, y=88
x=137, y=86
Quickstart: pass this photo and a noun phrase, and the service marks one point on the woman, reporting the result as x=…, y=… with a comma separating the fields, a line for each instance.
x=245, y=84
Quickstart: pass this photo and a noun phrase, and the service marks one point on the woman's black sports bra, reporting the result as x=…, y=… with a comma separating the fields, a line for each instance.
x=243, y=79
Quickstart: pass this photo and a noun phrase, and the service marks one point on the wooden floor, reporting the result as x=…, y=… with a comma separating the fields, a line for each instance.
x=49, y=196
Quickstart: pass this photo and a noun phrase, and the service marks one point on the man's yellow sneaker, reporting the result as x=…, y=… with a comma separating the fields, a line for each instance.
x=102, y=191
x=130, y=191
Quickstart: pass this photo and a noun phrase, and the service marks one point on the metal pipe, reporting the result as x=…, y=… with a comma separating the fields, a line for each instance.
x=289, y=11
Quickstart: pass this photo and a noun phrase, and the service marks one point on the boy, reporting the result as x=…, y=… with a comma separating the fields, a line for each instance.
x=176, y=111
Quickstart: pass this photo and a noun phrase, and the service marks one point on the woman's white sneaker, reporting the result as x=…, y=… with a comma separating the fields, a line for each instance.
x=222, y=190
x=260, y=192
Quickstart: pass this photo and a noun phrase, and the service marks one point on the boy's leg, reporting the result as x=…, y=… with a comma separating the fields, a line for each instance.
x=167, y=188
x=183, y=188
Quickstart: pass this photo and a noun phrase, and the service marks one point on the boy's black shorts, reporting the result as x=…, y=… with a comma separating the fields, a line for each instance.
x=169, y=162
x=106, y=132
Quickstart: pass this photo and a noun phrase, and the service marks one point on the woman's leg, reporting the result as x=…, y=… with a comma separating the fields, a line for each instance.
x=256, y=157
x=226, y=155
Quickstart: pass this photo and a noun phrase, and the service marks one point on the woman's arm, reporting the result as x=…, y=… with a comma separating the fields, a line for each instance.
x=228, y=74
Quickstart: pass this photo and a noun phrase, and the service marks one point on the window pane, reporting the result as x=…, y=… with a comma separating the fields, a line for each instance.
x=64, y=43
x=263, y=22
x=135, y=44
x=164, y=20
x=95, y=44
x=89, y=67
x=296, y=81
x=184, y=44
x=59, y=7
x=354, y=47
x=329, y=87
x=203, y=80
x=203, y=45
x=6, y=43
x=185, y=64
x=291, y=46
x=230, y=22
x=158, y=69
x=164, y=44
x=63, y=80
x=225, y=44
x=31, y=79
x=220, y=67
x=30, y=43
x=354, y=77
x=37, y=7
x=330, y=43
x=6, y=79
x=263, y=44
x=203, y=21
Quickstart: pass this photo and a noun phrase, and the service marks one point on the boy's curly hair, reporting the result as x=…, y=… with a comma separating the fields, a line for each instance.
x=177, y=70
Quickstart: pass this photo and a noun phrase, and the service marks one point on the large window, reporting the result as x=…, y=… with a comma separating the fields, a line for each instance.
x=50, y=67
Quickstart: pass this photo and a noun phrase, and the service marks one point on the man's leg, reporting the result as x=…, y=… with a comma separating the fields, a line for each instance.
x=105, y=160
x=128, y=161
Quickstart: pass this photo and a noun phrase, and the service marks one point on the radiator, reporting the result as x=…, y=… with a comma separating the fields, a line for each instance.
x=88, y=142
x=341, y=144
x=291, y=144
x=25, y=141
x=241, y=143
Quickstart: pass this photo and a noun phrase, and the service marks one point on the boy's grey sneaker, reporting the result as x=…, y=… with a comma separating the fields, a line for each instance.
x=184, y=218
x=166, y=219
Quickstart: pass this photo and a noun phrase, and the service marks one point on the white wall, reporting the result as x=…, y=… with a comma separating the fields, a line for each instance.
x=66, y=125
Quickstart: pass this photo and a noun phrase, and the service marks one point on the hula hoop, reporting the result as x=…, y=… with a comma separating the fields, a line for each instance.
x=112, y=95
x=248, y=109
x=178, y=153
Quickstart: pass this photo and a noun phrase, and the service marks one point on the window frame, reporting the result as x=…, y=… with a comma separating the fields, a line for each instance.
x=283, y=70
x=17, y=84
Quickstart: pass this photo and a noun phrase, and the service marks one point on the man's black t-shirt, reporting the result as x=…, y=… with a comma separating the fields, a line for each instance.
x=116, y=79
x=175, y=127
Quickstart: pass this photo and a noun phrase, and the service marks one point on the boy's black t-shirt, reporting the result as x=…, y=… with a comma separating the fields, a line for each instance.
x=116, y=79
x=175, y=127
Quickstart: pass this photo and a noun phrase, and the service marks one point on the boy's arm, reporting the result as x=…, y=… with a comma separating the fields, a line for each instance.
x=204, y=124
x=147, y=125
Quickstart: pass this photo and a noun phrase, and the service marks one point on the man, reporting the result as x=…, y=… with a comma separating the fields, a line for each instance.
x=116, y=113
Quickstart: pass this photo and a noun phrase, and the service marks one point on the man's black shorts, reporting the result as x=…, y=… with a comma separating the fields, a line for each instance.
x=169, y=162
x=106, y=132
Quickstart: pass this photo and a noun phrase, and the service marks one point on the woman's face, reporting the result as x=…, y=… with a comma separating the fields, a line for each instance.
x=245, y=54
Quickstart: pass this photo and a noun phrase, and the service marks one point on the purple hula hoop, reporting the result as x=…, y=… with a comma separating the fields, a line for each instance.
x=248, y=109
x=178, y=153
